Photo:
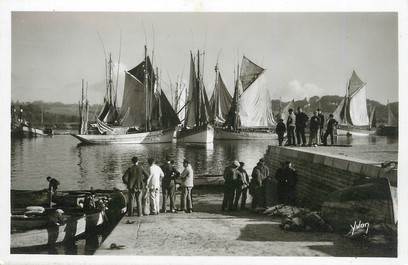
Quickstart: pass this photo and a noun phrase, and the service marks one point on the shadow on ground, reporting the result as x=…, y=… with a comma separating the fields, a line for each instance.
x=209, y=200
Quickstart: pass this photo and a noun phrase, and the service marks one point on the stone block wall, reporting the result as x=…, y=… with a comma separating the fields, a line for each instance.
x=320, y=175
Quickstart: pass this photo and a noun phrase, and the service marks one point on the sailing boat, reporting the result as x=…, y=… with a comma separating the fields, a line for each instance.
x=220, y=101
x=196, y=128
x=250, y=116
x=352, y=112
x=391, y=128
x=146, y=114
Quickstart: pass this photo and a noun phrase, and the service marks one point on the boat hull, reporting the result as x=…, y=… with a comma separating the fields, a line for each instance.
x=73, y=228
x=374, y=203
x=354, y=131
x=221, y=134
x=202, y=134
x=161, y=136
x=387, y=130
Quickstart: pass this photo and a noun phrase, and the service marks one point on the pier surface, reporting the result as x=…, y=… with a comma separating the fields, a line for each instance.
x=208, y=231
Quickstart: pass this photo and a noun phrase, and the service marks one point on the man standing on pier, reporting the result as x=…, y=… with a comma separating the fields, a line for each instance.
x=153, y=184
x=314, y=130
x=169, y=184
x=287, y=179
x=135, y=178
x=290, y=125
x=242, y=187
x=301, y=123
x=187, y=177
x=321, y=127
x=331, y=124
x=231, y=176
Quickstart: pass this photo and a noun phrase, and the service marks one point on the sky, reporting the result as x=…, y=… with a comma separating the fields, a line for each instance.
x=305, y=54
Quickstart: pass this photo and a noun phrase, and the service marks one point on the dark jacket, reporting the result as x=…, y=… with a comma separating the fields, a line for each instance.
x=170, y=174
x=257, y=176
x=136, y=177
x=321, y=116
x=280, y=128
x=331, y=123
x=314, y=123
x=301, y=120
x=231, y=175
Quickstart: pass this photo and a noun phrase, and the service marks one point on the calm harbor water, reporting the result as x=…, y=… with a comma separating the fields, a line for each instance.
x=102, y=166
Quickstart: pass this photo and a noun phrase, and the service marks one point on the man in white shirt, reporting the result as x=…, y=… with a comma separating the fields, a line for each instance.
x=153, y=185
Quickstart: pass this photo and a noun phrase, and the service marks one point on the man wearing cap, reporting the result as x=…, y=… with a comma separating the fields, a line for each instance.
x=314, y=129
x=331, y=125
x=153, y=184
x=169, y=184
x=321, y=127
x=242, y=187
x=256, y=186
x=287, y=180
x=135, y=179
x=187, y=177
x=231, y=176
x=290, y=125
x=301, y=123
x=53, y=184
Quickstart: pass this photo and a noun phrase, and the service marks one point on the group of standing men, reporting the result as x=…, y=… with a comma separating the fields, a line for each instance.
x=297, y=123
x=238, y=183
x=259, y=185
x=144, y=186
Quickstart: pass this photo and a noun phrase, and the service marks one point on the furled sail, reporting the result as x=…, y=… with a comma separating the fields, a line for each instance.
x=192, y=101
x=198, y=108
x=255, y=107
x=220, y=101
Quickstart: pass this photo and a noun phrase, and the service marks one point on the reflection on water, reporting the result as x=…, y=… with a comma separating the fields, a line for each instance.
x=101, y=166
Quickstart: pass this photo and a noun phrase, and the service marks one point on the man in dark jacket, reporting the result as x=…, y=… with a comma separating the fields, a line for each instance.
x=231, y=174
x=280, y=131
x=53, y=184
x=314, y=129
x=135, y=179
x=290, y=126
x=169, y=184
x=287, y=180
x=321, y=127
x=256, y=186
x=331, y=125
x=301, y=124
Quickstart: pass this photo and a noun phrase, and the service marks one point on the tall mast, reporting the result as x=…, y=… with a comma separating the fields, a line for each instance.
x=198, y=117
x=146, y=90
x=110, y=80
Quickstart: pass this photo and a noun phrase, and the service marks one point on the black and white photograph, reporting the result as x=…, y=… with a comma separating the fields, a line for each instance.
x=203, y=132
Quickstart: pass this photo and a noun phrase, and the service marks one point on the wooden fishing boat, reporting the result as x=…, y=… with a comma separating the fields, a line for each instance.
x=373, y=201
x=352, y=113
x=250, y=115
x=146, y=117
x=24, y=198
x=98, y=205
x=196, y=127
x=54, y=231
x=26, y=219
